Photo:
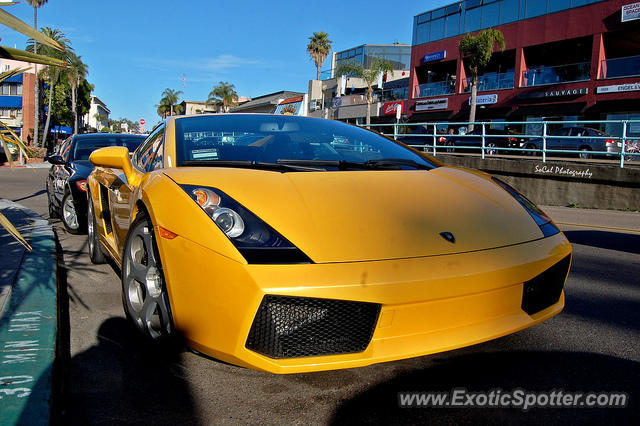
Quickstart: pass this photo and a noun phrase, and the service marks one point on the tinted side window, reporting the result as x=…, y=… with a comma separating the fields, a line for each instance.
x=158, y=158
x=144, y=155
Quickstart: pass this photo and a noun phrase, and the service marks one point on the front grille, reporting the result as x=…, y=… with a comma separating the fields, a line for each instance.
x=545, y=289
x=291, y=327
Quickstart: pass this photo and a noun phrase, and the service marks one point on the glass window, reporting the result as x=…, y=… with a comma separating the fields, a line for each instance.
x=452, y=26
x=13, y=90
x=425, y=17
x=142, y=157
x=451, y=9
x=439, y=13
x=5, y=89
x=284, y=139
x=509, y=11
x=158, y=158
x=437, y=29
x=469, y=4
x=473, y=20
x=490, y=15
x=556, y=5
x=535, y=8
x=422, y=33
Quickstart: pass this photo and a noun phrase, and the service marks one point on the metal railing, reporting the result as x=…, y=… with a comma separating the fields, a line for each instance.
x=492, y=81
x=557, y=74
x=438, y=88
x=621, y=67
x=538, y=138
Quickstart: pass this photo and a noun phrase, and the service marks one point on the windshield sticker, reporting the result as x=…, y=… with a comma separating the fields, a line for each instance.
x=205, y=154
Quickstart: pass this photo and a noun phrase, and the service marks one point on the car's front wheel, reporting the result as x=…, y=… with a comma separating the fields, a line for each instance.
x=70, y=215
x=144, y=291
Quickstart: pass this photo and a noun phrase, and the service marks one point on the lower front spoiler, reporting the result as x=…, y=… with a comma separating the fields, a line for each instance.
x=427, y=305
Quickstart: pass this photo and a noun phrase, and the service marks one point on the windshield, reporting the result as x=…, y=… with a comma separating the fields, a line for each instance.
x=272, y=139
x=85, y=146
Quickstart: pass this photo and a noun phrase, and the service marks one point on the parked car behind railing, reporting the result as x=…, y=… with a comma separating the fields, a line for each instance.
x=583, y=139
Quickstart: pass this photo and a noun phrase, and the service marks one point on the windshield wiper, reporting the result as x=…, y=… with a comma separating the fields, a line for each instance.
x=247, y=164
x=380, y=163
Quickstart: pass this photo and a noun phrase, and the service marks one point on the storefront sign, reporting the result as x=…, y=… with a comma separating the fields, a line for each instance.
x=630, y=12
x=486, y=99
x=633, y=87
x=389, y=108
x=431, y=104
x=435, y=56
x=545, y=169
x=554, y=93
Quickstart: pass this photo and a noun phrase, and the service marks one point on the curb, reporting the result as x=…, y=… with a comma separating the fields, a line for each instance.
x=29, y=323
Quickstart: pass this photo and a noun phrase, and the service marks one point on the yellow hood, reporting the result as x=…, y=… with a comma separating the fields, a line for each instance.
x=345, y=216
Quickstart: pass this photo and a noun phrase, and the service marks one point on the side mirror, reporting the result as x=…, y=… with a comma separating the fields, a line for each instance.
x=56, y=159
x=115, y=157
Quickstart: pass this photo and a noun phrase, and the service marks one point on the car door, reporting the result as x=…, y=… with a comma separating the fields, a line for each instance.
x=121, y=192
x=577, y=139
x=555, y=142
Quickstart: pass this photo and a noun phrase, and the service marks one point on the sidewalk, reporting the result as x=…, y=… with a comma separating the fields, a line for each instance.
x=613, y=220
x=28, y=318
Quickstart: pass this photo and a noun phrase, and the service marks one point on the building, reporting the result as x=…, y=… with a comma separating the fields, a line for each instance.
x=564, y=59
x=345, y=98
x=266, y=103
x=197, y=107
x=17, y=104
x=98, y=116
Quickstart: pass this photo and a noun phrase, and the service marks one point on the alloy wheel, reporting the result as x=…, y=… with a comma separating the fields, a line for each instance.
x=69, y=214
x=144, y=294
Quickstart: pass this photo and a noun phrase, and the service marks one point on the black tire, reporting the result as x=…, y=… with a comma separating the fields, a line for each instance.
x=529, y=153
x=53, y=213
x=69, y=215
x=93, y=244
x=584, y=152
x=144, y=291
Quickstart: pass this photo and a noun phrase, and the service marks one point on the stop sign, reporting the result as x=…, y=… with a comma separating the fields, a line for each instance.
x=142, y=121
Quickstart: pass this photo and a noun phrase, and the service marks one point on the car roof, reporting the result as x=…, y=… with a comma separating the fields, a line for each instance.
x=102, y=135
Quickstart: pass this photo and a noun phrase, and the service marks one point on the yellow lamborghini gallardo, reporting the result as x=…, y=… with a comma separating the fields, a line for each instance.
x=292, y=244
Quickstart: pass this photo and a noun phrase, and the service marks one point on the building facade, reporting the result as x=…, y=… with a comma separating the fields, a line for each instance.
x=98, y=115
x=17, y=105
x=344, y=98
x=563, y=59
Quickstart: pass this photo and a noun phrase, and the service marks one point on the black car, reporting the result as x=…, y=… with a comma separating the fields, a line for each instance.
x=472, y=141
x=67, y=180
x=583, y=139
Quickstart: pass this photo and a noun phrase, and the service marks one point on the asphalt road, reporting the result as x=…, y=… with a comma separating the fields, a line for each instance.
x=113, y=378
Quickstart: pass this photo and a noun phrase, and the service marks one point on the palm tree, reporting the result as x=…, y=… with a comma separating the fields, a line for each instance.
x=77, y=72
x=36, y=89
x=476, y=52
x=223, y=95
x=53, y=74
x=170, y=99
x=369, y=75
x=318, y=48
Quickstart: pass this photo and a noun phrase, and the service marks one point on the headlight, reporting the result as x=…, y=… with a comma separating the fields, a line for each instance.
x=544, y=222
x=254, y=239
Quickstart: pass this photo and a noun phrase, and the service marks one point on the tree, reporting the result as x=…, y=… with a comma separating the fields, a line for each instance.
x=318, y=48
x=36, y=90
x=223, y=95
x=53, y=74
x=169, y=102
x=76, y=73
x=476, y=51
x=369, y=75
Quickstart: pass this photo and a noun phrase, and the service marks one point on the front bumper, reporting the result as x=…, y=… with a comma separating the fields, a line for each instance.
x=427, y=305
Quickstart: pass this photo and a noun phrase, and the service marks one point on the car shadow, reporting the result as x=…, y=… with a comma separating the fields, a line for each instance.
x=619, y=241
x=126, y=379
x=505, y=371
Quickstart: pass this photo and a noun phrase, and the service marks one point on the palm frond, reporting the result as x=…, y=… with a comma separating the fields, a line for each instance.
x=16, y=24
x=13, y=231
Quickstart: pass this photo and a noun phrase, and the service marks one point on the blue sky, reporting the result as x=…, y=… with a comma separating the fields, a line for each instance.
x=135, y=49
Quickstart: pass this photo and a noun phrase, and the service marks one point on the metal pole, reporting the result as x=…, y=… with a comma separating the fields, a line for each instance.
x=624, y=139
x=544, y=141
x=434, y=139
x=483, y=140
